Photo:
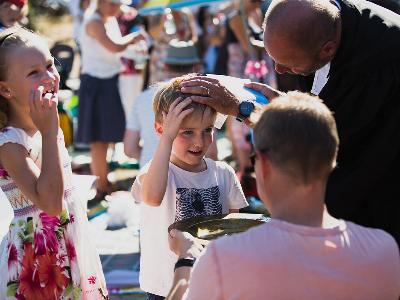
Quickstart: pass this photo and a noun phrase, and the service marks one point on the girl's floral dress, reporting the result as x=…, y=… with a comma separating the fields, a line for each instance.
x=46, y=257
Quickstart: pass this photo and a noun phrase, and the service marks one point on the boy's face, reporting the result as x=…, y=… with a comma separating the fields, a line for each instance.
x=195, y=135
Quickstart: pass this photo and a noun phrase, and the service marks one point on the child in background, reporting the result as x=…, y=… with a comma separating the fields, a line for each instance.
x=179, y=182
x=12, y=12
x=46, y=253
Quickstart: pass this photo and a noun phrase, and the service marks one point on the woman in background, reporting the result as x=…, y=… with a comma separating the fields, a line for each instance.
x=101, y=117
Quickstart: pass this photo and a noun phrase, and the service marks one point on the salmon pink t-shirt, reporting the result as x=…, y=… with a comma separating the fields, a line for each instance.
x=280, y=260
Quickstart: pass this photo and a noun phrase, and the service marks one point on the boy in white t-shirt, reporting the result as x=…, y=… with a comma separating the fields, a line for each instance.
x=179, y=183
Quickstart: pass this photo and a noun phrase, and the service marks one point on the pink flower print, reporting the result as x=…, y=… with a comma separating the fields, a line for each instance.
x=19, y=297
x=13, y=262
x=49, y=222
x=71, y=250
x=45, y=238
x=71, y=218
x=92, y=279
x=3, y=173
x=72, y=261
x=53, y=277
x=61, y=259
x=40, y=244
x=29, y=283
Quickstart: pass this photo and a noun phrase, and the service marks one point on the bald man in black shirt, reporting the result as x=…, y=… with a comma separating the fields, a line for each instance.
x=353, y=48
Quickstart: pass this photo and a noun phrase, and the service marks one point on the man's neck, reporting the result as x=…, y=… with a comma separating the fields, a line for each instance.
x=322, y=219
x=302, y=206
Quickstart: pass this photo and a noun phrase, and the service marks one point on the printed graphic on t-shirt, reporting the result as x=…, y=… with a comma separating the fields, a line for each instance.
x=191, y=202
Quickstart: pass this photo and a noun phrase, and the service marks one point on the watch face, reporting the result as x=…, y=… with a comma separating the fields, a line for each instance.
x=246, y=108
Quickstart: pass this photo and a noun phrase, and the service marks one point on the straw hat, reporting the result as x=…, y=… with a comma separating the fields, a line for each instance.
x=181, y=53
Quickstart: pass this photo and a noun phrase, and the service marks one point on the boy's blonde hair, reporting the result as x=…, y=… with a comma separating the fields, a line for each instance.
x=298, y=134
x=168, y=92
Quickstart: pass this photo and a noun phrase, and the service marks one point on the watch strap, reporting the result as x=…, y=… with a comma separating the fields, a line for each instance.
x=184, y=262
x=241, y=117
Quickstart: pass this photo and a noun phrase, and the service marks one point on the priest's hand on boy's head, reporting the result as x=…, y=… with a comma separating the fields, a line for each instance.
x=211, y=92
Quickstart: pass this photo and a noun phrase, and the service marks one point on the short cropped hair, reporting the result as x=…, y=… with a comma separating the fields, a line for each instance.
x=168, y=92
x=298, y=134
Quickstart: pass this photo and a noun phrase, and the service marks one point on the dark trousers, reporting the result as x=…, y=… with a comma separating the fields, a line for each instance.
x=150, y=296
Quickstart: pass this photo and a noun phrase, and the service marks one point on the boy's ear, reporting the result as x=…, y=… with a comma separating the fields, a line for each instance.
x=265, y=165
x=158, y=128
x=5, y=90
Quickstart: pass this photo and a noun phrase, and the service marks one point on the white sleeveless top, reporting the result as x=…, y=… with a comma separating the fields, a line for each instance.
x=97, y=61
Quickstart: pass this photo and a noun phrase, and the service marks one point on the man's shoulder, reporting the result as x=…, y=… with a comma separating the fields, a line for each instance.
x=244, y=242
x=373, y=29
x=373, y=236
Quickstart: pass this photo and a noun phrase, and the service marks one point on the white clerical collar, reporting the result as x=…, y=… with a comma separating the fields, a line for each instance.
x=320, y=79
x=322, y=75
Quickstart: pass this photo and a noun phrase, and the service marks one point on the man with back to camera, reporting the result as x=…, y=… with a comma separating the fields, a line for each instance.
x=354, y=49
x=303, y=252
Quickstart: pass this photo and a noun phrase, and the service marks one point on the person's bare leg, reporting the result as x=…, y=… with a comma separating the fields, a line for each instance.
x=99, y=166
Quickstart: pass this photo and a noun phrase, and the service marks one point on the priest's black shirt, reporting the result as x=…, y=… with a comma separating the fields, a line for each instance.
x=363, y=91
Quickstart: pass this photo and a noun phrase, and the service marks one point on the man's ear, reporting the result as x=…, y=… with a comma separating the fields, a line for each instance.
x=5, y=90
x=328, y=51
x=158, y=128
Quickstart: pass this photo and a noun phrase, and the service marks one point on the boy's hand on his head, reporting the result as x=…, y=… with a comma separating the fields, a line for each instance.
x=173, y=120
x=43, y=111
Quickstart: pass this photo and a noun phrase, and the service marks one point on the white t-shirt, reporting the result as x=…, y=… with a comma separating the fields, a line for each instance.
x=97, y=61
x=188, y=194
x=280, y=260
x=77, y=15
x=141, y=119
